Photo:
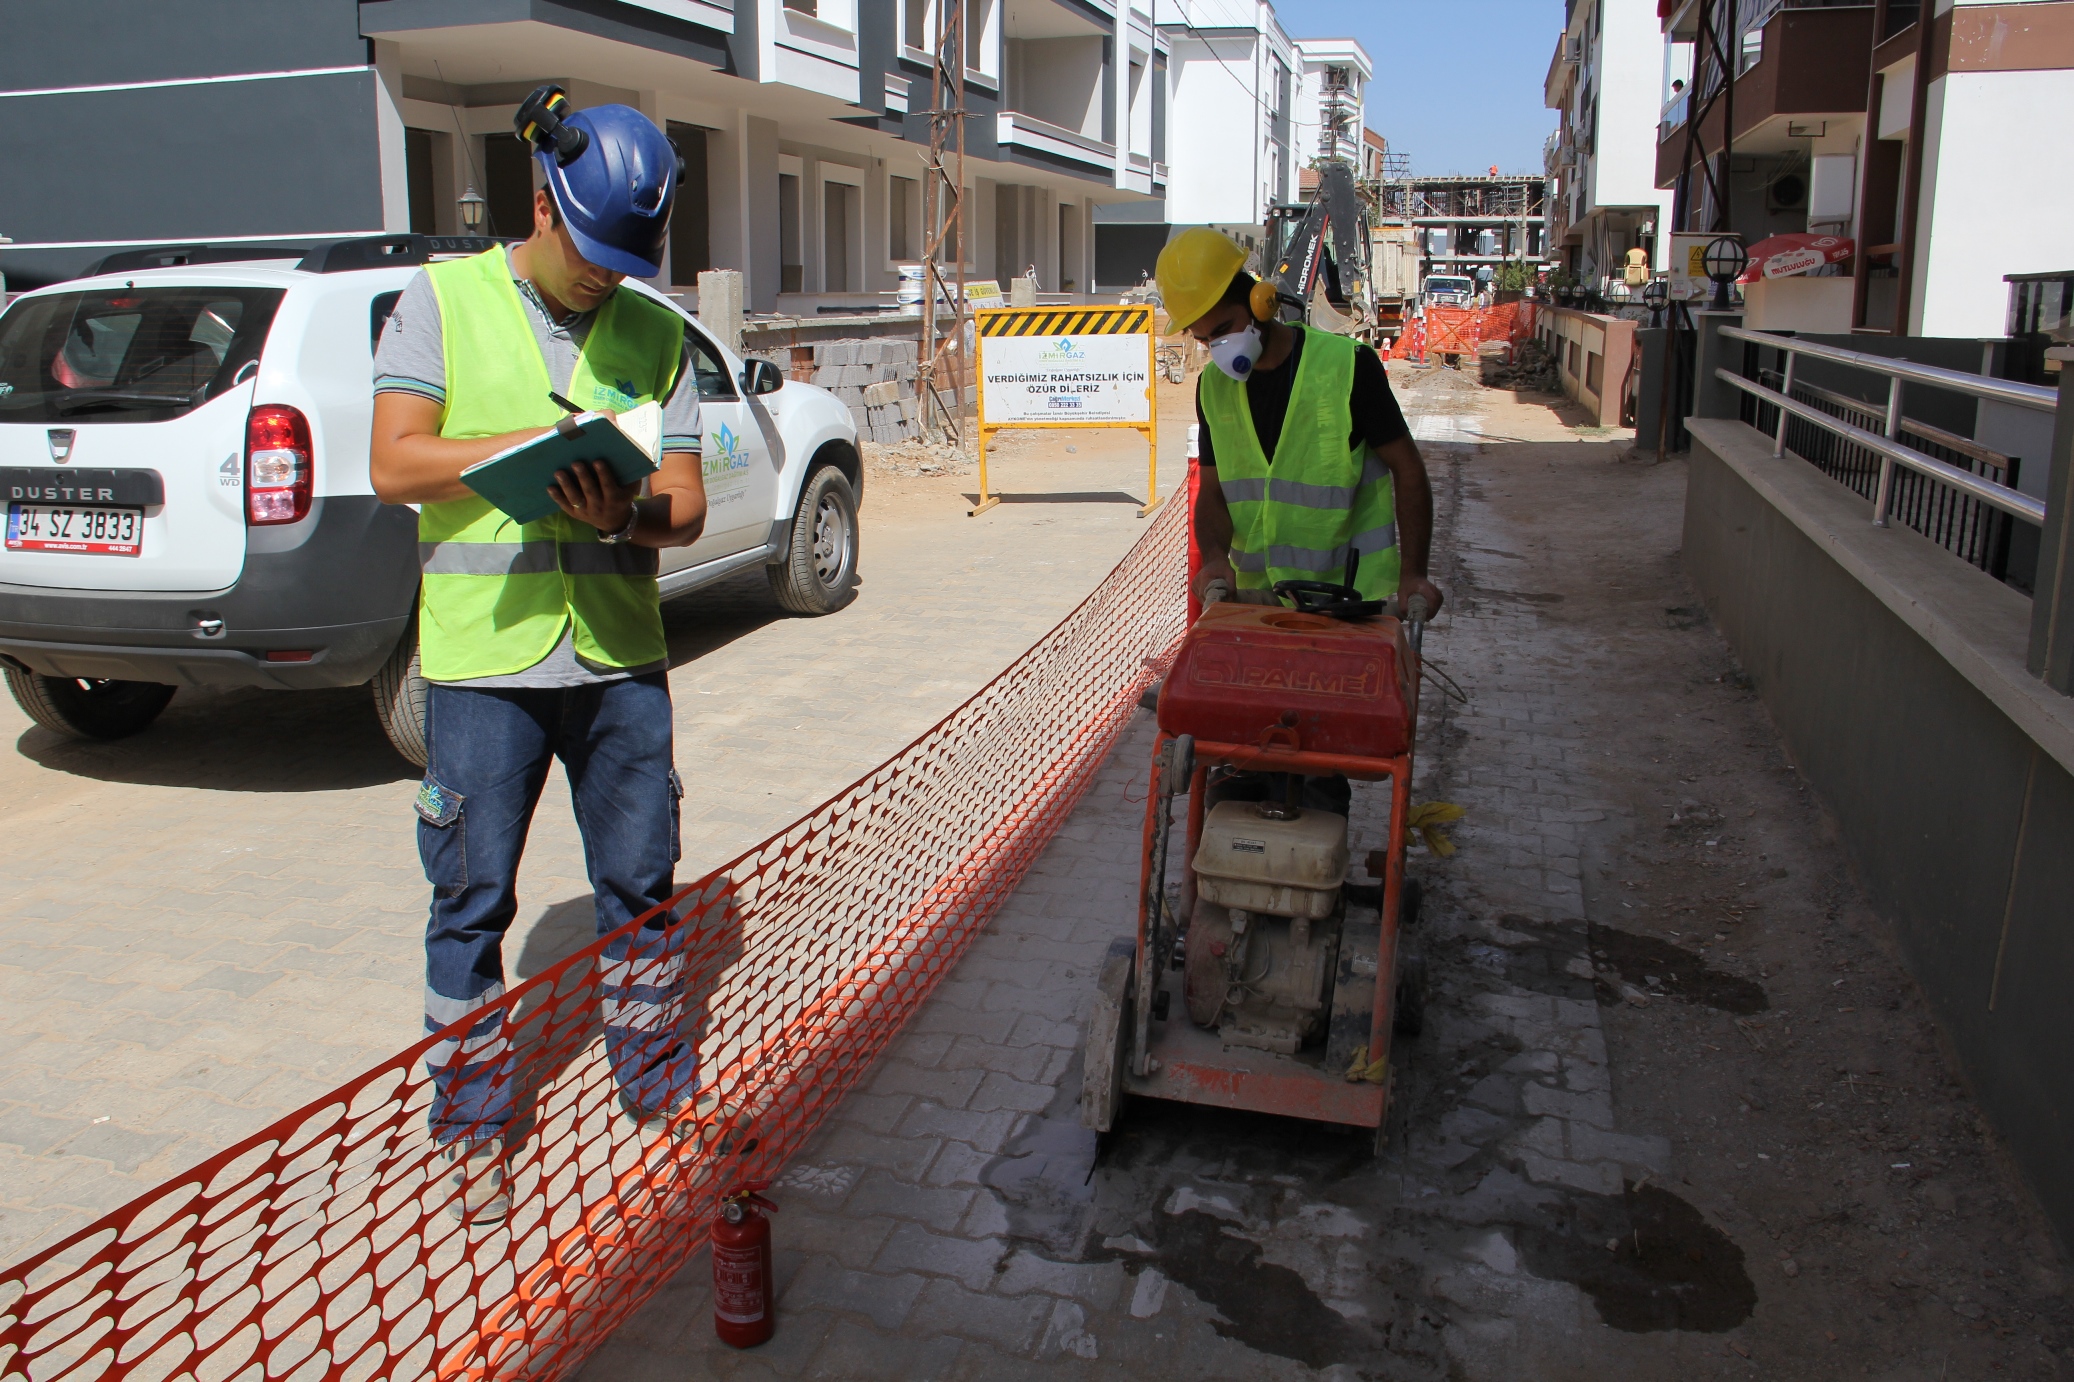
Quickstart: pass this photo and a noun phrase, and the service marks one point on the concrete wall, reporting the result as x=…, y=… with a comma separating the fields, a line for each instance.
x=222, y=154
x=1895, y=675
x=1986, y=210
x=1610, y=339
x=1216, y=141
x=1631, y=57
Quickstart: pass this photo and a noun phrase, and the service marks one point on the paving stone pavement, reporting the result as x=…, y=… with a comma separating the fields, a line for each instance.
x=953, y=1220
x=215, y=922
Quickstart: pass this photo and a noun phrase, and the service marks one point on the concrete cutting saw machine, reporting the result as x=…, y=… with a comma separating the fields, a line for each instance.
x=1273, y=982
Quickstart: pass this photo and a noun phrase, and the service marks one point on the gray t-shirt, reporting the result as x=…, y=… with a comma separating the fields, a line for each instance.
x=411, y=358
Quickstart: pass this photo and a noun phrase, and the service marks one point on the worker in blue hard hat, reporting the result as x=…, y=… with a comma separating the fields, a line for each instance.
x=544, y=640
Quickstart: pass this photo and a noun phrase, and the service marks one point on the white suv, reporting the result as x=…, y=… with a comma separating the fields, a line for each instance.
x=183, y=455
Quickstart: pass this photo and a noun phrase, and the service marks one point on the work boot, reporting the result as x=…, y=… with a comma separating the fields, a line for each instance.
x=478, y=1181
x=704, y=1122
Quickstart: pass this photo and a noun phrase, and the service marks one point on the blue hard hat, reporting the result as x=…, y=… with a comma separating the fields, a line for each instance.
x=615, y=195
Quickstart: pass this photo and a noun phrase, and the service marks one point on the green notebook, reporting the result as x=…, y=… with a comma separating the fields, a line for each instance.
x=516, y=479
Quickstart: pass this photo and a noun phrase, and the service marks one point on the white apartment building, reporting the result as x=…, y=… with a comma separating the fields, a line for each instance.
x=803, y=123
x=1331, y=98
x=1605, y=78
x=1244, y=116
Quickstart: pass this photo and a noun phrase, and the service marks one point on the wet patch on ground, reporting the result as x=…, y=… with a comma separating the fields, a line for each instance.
x=1263, y=1305
x=1648, y=1260
x=1656, y=968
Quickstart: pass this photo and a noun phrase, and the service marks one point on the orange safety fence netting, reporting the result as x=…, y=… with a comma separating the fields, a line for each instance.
x=1463, y=330
x=325, y=1246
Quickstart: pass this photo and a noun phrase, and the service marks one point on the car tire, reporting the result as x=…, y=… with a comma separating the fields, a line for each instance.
x=819, y=574
x=85, y=707
x=400, y=692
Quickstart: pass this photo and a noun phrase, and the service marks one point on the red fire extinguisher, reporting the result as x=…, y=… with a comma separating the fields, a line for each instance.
x=742, y=1267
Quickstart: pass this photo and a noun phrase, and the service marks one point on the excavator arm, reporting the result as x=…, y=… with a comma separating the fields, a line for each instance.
x=1328, y=243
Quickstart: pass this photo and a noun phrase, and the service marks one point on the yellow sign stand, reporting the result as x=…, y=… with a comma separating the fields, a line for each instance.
x=1067, y=368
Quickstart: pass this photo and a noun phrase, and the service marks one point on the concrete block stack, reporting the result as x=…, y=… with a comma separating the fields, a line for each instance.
x=875, y=379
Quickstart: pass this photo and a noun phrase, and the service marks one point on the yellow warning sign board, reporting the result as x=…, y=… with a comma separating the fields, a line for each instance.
x=1066, y=367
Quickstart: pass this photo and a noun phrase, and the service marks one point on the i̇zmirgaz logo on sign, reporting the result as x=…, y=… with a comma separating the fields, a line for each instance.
x=1063, y=351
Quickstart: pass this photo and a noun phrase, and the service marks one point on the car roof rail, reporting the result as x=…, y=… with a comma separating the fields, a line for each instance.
x=390, y=251
x=173, y=256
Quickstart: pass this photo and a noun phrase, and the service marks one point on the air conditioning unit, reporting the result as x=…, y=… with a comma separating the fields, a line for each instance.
x=1787, y=192
x=1573, y=48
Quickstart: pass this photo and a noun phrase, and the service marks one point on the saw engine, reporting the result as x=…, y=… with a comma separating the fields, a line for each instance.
x=1268, y=941
x=1263, y=944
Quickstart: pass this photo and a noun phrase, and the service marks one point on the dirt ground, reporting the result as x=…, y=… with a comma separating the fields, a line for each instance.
x=1756, y=1012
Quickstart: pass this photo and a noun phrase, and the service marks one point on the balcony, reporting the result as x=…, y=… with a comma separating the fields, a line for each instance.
x=1055, y=89
x=1808, y=61
x=1054, y=145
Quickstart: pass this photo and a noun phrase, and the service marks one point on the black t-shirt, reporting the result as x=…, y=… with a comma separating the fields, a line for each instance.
x=1377, y=418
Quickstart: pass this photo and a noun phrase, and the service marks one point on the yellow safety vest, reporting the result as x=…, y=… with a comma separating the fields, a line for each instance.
x=496, y=595
x=1297, y=519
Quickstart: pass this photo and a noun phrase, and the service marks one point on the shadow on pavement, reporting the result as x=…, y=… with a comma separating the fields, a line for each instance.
x=239, y=741
x=705, y=621
x=1107, y=496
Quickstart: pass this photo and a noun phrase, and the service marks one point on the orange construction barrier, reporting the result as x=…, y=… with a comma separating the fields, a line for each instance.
x=323, y=1247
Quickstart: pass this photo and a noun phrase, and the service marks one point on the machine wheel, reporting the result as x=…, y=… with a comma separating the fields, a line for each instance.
x=1103, y=1055
x=1408, y=1012
x=88, y=707
x=819, y=575
x=400, y=692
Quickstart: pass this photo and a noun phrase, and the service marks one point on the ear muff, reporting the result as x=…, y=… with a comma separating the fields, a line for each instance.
x=540, y=123
x=1261, y=301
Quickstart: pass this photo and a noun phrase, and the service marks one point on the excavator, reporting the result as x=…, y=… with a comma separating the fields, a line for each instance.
x=1317, y=256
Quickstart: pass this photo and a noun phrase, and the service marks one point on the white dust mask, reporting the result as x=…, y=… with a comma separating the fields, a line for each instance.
x=1237, y=353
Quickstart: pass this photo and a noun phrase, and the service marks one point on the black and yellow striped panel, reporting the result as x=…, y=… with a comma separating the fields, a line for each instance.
x=1064, y=321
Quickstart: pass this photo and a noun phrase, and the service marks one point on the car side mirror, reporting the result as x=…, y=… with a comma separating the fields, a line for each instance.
x=761, y=376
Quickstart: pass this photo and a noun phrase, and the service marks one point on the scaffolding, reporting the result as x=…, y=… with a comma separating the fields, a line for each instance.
x=941, y=367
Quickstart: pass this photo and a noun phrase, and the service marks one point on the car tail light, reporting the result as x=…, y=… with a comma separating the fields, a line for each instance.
x=279, y=465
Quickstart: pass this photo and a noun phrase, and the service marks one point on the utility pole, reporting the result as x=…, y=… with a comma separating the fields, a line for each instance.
x=942, y=358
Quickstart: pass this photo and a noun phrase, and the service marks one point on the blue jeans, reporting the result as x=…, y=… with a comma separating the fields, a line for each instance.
x=490, y=755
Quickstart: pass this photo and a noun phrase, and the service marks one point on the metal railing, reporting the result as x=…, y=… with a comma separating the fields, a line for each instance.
x=1973, y=531
x=1938, y=498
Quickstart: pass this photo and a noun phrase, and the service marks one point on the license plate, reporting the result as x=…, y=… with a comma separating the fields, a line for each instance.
x=98, y=532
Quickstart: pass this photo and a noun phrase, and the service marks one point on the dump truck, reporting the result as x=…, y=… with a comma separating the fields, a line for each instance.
x=1394, y=254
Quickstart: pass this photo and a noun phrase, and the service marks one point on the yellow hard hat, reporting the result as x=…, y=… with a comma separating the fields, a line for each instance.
x=1194, y=270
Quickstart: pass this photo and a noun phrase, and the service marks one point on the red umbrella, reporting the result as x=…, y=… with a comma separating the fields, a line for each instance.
x=1778, y=256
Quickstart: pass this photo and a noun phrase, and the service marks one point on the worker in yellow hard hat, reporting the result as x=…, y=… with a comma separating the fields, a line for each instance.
x=1308, y=469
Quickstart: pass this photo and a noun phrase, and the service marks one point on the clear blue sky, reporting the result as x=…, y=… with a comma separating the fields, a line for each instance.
x=1457, y=82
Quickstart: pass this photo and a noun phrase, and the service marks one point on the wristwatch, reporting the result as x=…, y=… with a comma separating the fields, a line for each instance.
x=626, y=533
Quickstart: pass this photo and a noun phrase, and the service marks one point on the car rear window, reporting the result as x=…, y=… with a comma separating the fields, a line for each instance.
x=127, y=354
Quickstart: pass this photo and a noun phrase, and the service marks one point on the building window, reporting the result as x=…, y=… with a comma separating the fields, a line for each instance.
x=508, y=173
x=423, y=185
x=691, y=240
x=841, y=219
x=978, y=15
x=810, y=7
x=915, y=28
x=792, y=270
x=903, y=214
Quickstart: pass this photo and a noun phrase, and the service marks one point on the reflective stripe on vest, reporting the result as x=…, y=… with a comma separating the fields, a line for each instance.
x=497, y=595
x=1322, y=499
